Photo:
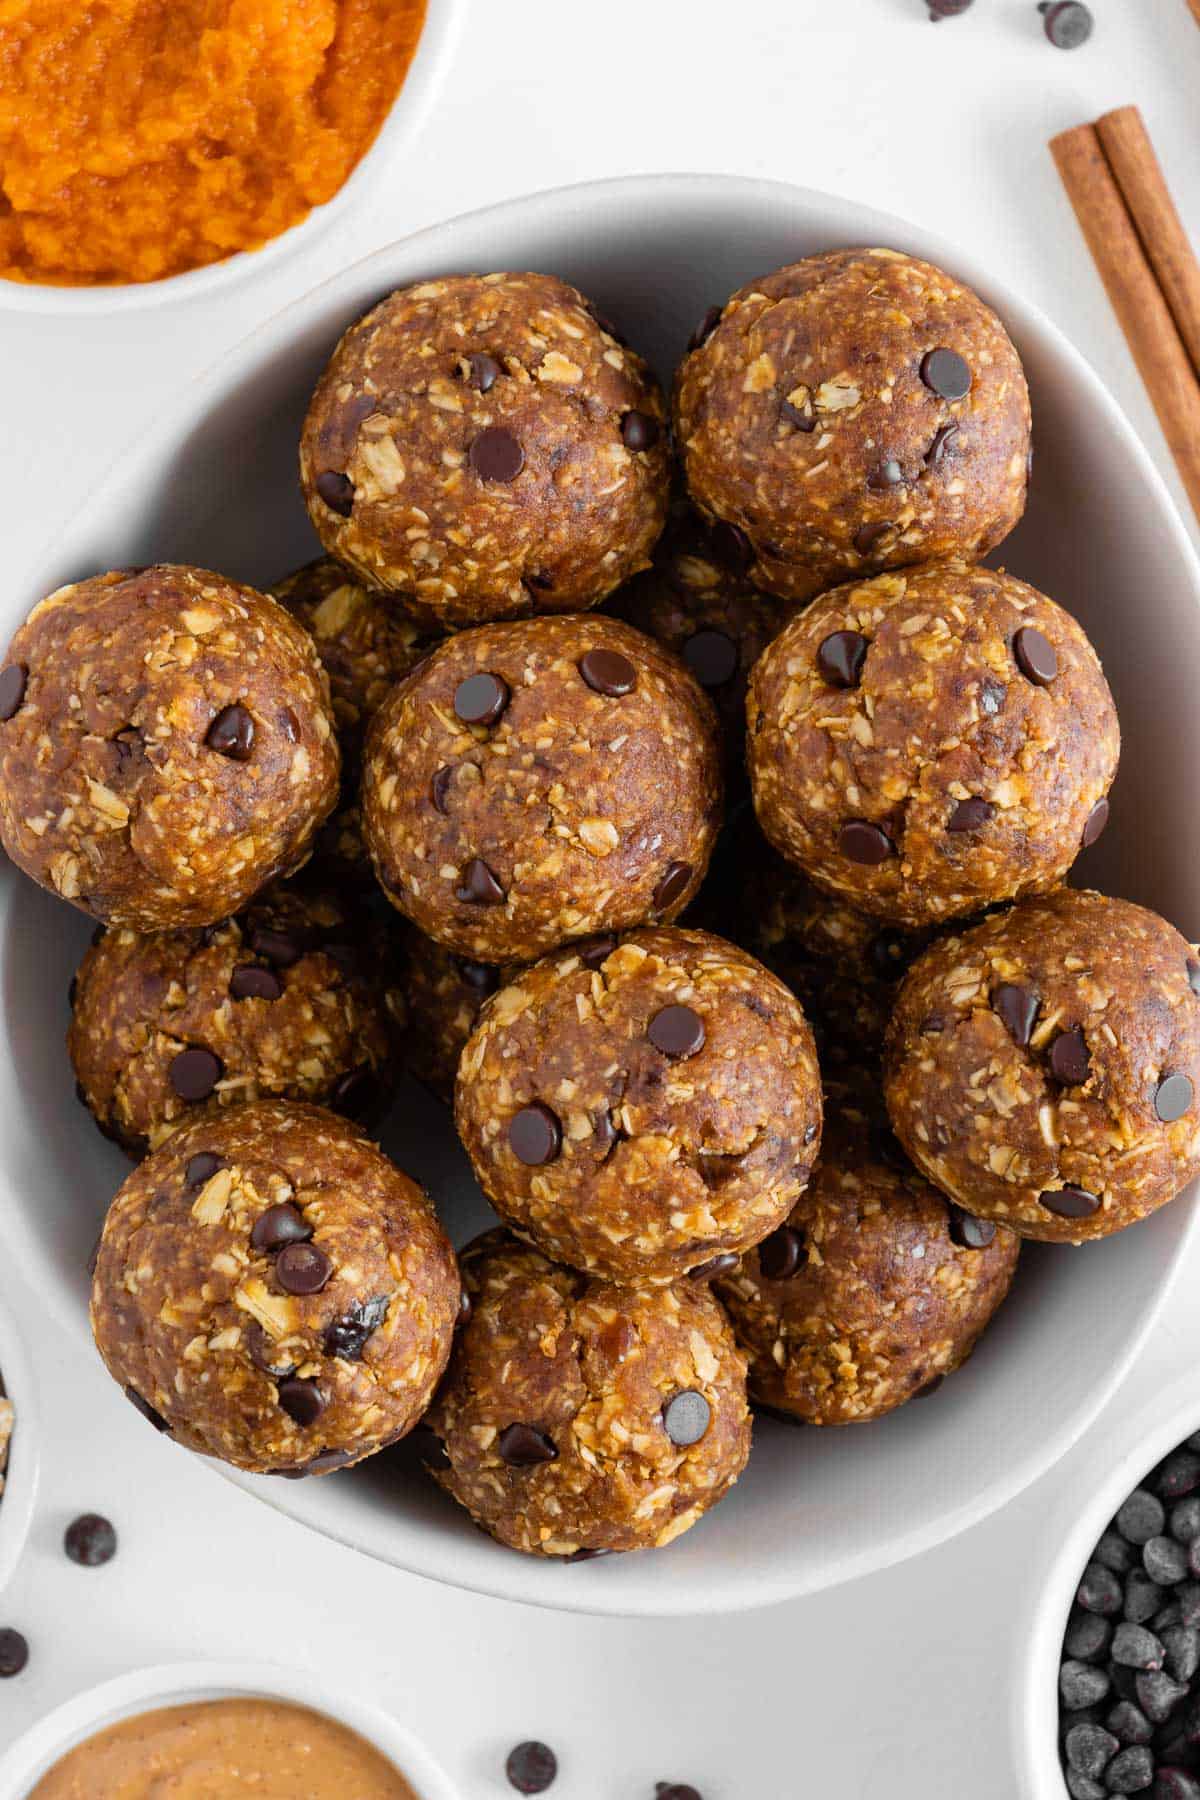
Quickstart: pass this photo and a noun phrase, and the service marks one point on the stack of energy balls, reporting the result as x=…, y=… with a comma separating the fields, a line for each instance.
x=766, y=1098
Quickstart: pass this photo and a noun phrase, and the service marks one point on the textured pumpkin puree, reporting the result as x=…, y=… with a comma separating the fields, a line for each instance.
x=139, y=138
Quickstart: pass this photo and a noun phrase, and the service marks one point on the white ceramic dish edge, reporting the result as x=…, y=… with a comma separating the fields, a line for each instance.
x=21, y=1480
x=143, y=1690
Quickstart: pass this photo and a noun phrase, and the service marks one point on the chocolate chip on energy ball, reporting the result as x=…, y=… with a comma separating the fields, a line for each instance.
x=607, y=672
x=249, y=982
x=535, y=1135
x=479, y=886
x=593, y=952
x=1070, y=1202
x=705, y=328
x=347, y=1337
x=677, y=1031
x=302, y=1401
x=201, y=1168
x=868, y=536
x=716, y=1265
x=686, y=1417
x=231, y=733
x=970, y=814
x=13, y=680
x=531, y=1767
x=942, y=440
x=90, y=1540
x=781, y=1254
x=969, y=1232
x=672, y=885
x=1036, y=656
x=278, y=1226
x=484, y=371
x=946, y=374
x=147, y=1411
x=1172, y=1097
x=639, y=431
x=885, y=475
x=712, y=656
x=840, y=658
x=862, y=842
x=1094, y=824
x=496, y=455
x=1067, y=23
x=194, y=1073
x=280, y=947
x=481, y=699
x=337, y=491
x=14, y=1652
x=1017, y=1008
x=524, y=1446
x=302, y=1268
x=1070, y=1058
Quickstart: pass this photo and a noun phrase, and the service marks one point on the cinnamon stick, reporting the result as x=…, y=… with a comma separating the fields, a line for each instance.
x=1126, y=144
x=1136, y=297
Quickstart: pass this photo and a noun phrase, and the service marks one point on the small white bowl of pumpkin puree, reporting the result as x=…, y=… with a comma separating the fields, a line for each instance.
x=220, y=1731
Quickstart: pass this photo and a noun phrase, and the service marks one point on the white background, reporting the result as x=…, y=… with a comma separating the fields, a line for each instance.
x=896, y=1688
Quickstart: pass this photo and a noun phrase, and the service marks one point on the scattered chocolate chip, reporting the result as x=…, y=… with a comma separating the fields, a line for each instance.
x=716, y=1265
x=201, y=1168
x=535, y=1135
x=886, y=475
x=992, y=696
x=1017, y=1007
x=1193, y=974
x=1070, y=1202
x=731, y=545
x=147, y=1411
x=594, y=951
x=672, y=886
x=194, y=1073
x=535, y=584
x=531, y=1767
x=1067, y=23
x=802, y=417
x=639, y=431
x=712, y=656
x=496, y=455
x=249, y=982
x=943, y=439
x=479, y=886
x=840, y=658
x=1070, y=1058
x=862, y=842
x=303, y=1401
x=231, y=733
x=337, y=491
x=586, y=1555
x=302, y=1268
x=280, y=948
x=262, y=1353
x=706, y=327
x=1094, y=824
x=867, y=537
x=967, y=1231
x=929, y=1387
x=608, y=672
x=346, y=1337
x=278, y=1226
x=677, y=1031
x=90, y=1541
x=946, y=374
x=14, y=1652
x=782, y=1254
x=326, y=1460
x=1036, y=656
x=947, y=9
x=13, y=680
x=481, y=978
x=970, y=814
x=686, y=1417
x=523, y=1446
x=481, y=699
x=439, y=787
x=485, y=371
x=1172, y=1097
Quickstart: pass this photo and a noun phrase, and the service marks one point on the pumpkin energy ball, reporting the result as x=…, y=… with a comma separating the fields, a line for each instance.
x=483, y=445
x=1042, y=1068
x=643, y=1108
x=166, y=746
x=928, y=743
x=274, y=1003
x=580, y=1417
x=541, y=780
x=855, y=411
x=873, y=1291
x=271, y=1290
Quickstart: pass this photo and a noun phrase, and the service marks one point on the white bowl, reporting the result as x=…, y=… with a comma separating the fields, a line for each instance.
x=215, y=483
x=408, y=113
x=21, y=1476
x=1108, y=1476
x=175, y=1684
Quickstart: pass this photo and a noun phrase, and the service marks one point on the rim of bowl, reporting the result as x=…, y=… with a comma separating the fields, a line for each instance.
x=1072, y=1535
x=405, y=118
x=866, y=224
x=21, y=1479
x=149, y=1689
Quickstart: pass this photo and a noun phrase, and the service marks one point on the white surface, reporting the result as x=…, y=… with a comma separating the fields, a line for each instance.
x=897, y=1687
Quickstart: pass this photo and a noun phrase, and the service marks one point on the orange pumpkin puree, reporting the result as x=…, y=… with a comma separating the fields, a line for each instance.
x=139, y=138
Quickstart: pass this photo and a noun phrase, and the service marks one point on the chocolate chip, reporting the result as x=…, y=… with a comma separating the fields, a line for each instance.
x=231, y=733
x=325, y=1460
x=337, y=491
x=481, y=978
x=1172, y=1097
x=731, y=545
x=608, y=672
x=1193, y=974
x=496, y=455
x=249, y=982
x=302, y=1268
x=531, y=1767
x=887, y=474
x=194, y=1073
x=840, y=658
x=946, y=374
x=716, y=1265
x=1094, y=824
x=303, y=1401
x=201, y=1168
x=347, y=1337
x=90, y=1541
x=261, y=1351
x=992, y=696
x=712, y=656
x=1070, y=1202
x=868, y=536
x=13, y=679
x=781, y=1254
x=706, y=327
x=967, y=1231
x=1017, y=1007
x=672, y=886
x=537, y=584
x=675, y=1790
x=594, y=951
x=686, y=1417
x=439, y=787
x=280, y=948
x=1036, y=656
x=943, y=438
x=802, y=417
x=1070, y=1058
x=1067, y=23
x=479, y=886
x=535, y=1135
x=862, y=842
x=485, y=371
x=586, y=1555
x=357, y=1092
x=639, y=431
x=278, y=1226
x=147, y=1411
x=677, y=1031
x=481, y=699
x=14, y=1652
x=970, y=814
x=523, y=1446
